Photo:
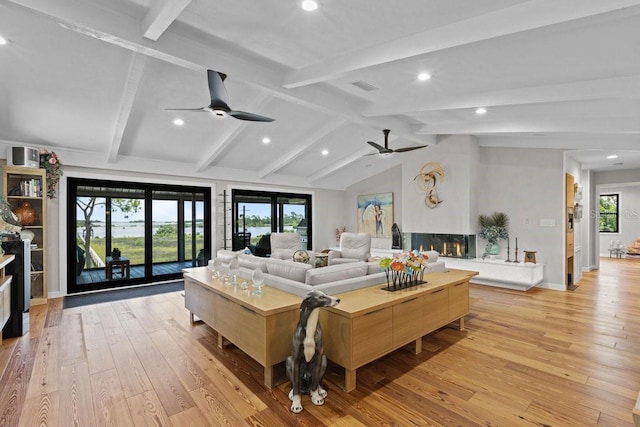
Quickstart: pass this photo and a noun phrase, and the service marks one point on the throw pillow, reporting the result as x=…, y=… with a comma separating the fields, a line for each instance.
x=252, y=262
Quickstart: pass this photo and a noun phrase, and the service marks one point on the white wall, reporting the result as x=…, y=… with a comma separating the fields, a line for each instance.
x=629, y=209
x=627, y=183
x=457, y=214
x=528, y=185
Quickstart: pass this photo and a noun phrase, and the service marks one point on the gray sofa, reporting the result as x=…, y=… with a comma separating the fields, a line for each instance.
x=299, y=278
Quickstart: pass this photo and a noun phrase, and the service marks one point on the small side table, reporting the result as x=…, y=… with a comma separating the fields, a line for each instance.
x=113, y=265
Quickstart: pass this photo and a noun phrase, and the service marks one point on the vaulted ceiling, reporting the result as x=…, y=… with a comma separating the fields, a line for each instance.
x=92, y=80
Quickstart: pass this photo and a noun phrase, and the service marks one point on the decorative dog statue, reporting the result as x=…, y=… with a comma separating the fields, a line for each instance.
x=307, y=364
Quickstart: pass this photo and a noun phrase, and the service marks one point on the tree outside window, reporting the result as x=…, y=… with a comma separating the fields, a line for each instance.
x=609, y=213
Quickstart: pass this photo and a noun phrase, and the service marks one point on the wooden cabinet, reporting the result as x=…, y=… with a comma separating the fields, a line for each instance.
x=26, y=190
x=372, y=335
x=261, y=326
x=569, y=222
x=458, y=300
x=5, y=292
x=436, y=310
x=370, y=322
x=406, y=320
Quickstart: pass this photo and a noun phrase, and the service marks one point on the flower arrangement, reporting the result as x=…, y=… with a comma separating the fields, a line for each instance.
x=405, y=269
x=494, y=227
x=339, y=232
x=50, y=161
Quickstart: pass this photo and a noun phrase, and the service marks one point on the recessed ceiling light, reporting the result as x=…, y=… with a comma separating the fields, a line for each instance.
x=266, y=140
x=178, y=122
x=325, y=152
x=424, y=76
x=309, y=5
x=481, y=110
x=613, y=156
x=3, y=41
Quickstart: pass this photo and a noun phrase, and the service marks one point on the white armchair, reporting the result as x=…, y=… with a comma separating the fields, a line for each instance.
x=353, y=247
x=283, y=245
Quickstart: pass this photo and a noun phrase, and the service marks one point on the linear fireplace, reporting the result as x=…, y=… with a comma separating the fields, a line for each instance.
x=449, y=245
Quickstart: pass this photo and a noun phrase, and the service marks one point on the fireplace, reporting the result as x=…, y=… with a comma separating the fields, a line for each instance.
x=449, y=245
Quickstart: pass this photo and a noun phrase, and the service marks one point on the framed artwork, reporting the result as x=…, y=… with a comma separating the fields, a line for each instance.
x=375, y=214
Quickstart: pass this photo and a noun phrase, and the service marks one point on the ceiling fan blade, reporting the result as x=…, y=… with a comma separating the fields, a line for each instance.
x=217, y=90
x=243, y=115
x=379, y=147
x=400, y=150
x=204, y=109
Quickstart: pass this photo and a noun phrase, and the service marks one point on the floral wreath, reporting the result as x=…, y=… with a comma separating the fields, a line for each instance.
x=50, y=161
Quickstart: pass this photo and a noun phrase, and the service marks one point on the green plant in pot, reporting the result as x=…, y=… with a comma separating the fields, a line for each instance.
x=493, y=228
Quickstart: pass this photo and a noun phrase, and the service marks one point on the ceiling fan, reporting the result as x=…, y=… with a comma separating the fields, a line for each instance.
x=386, y=150
x=219, y=101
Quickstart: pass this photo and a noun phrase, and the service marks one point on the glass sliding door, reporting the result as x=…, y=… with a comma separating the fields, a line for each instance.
x=257, y=214
x=159, y=230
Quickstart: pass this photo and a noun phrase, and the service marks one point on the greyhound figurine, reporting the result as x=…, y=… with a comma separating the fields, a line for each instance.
x=307, y=364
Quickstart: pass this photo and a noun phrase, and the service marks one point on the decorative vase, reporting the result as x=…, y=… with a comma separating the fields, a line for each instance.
x=492, y=248
x=26, y=214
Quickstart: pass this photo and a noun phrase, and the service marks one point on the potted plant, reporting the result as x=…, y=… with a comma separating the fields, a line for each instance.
x=493, y=227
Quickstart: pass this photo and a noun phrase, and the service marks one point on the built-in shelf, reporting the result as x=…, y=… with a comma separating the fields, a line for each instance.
x=497, y=272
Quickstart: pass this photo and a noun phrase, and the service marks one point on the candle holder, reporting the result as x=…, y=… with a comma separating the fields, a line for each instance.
x=516, y=256
x=508, y=253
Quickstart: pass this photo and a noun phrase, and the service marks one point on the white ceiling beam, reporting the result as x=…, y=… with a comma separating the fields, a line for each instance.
x=161, y=14
x=304, y=145
x=339, y=165
x=518, y=18
x=134, y=78
x=225, y=139
x=613, y=125
x=179, y=46
x=626, y=87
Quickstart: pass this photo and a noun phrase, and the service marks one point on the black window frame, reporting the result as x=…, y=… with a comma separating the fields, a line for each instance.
x=148, y=188
x=616, y=214
x=276, y=212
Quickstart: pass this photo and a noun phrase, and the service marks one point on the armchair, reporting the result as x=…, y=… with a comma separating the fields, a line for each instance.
x=283, y=245
x=353, y=247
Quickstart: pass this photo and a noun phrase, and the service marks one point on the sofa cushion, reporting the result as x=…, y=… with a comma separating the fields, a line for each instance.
x=252, y=262
x=288, y=269
x=334, y=273
x=225, y=256
x=373, y=267
x=433, y=256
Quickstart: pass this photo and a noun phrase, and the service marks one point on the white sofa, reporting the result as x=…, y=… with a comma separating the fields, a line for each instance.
x=299, y=278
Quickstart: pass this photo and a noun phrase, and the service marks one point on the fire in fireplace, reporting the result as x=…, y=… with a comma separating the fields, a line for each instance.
x=449, y=245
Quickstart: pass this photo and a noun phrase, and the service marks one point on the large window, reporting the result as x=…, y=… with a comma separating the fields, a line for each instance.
x=257, y=214
x=609, y=213
x=159, y=230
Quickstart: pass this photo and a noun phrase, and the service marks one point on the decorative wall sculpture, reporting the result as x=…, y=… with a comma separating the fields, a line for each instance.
x=430, y=174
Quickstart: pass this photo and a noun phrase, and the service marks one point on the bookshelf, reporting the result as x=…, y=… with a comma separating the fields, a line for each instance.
x=27, y=187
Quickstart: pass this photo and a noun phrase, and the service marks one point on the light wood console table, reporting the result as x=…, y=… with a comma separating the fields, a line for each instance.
x=261, y=326
x=371, y=322
x=367, y=324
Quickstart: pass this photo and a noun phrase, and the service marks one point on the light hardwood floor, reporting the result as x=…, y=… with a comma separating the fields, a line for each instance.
x=525, y=359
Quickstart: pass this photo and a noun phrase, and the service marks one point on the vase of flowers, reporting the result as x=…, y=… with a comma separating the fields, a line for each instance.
x=50, y=161
x=404, y=269
x=493, y=228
